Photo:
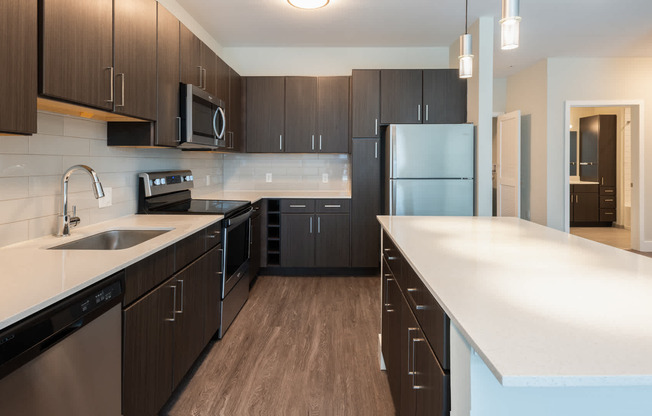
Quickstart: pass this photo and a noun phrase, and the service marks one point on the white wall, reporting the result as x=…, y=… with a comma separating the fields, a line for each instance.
x=500, y=95
x=527, y=91
x=253, y=61
x=605, y=79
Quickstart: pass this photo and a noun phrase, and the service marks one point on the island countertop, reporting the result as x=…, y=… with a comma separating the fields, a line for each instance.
x=541, y=307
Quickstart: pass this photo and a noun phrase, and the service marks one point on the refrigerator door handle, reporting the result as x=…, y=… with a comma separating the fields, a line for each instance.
x=392, y=198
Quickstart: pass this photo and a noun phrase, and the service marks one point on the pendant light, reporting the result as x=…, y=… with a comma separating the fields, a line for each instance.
x=509, y=25
x=308, y=4
x=466, y=49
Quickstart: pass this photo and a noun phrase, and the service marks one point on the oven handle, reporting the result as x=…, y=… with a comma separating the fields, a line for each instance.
x=235, y=221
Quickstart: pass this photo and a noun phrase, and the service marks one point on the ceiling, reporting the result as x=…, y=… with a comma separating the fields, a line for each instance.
x=550, y=28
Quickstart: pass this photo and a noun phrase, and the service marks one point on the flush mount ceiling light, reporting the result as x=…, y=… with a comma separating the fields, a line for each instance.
x=308, y=4
x=509, y=25
x=466, y=48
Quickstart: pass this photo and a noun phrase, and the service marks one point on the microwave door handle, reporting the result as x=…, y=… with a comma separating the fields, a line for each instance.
x=235, y=221
x=220, y=111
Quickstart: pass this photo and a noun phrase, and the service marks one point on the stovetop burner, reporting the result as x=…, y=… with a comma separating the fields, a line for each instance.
x=201, y=206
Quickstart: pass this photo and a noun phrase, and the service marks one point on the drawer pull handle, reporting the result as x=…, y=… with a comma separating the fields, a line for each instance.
x=608, y=200
x=297, y=206
x=410, y=362
x=608, y=213
x=609, y=191
x=388, y=249
x=174, y=304
x=422, y=307
x=392, y=258
x=412, y=289
x=414, y=373
x=333, y=206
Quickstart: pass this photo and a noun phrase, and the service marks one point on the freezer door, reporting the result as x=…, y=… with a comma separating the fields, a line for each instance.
x=430, y=151
x=449, y=197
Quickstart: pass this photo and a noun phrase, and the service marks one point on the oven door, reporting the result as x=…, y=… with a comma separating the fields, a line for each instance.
x=236, y=249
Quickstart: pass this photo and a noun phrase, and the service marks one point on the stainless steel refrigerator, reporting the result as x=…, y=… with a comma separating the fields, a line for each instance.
x=429, y=169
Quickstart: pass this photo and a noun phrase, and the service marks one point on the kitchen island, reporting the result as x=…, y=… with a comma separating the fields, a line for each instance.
x=542, y=322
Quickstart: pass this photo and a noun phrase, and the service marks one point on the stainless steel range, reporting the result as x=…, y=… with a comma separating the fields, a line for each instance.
x=169, y=193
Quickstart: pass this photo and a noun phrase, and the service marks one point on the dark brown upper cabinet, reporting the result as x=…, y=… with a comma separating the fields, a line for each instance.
x=135, y=58
x=300, y=114
x=76, y=38
x=333, y=115
x=365, y=103
x=209, y=68
x=401, y=96
x=265, y=101
x=167, y=58
x=235, y=114
x=18, y=85
x=222, y=81
x=444, y=97
x=190, y=68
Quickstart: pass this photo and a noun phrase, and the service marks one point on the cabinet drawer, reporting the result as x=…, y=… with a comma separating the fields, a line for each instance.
x=143, y=276
x=585, y=188
x=607, y=202
x=213, y=235
x=432, y=318
x=607, y=215
x=608, y=190
x=189, y=249
x=297, y=205
x=392, y=256
x=333, y=205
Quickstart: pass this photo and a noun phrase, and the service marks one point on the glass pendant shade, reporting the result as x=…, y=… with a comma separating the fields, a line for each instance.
x=466, y=57
x=308, y=4
x=509, y=25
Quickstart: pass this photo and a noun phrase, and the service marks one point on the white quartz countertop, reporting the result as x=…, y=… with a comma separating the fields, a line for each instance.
x=540, y=306
x=254, y=196
x=34, y=277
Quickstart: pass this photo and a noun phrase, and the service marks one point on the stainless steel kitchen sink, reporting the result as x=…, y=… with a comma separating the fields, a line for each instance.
x=111, y=240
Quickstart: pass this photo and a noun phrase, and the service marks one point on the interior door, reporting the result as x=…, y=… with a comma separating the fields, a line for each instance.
x=508, y=165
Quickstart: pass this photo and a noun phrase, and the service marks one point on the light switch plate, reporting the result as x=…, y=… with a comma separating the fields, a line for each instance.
x=324, y=177
x=268, y=177
x=208, y=180
x=107, y=201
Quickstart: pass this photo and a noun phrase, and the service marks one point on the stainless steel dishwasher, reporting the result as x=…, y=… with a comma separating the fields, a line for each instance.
x=66, y=359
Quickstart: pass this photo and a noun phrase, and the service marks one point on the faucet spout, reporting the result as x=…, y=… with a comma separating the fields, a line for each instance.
x=65, y=221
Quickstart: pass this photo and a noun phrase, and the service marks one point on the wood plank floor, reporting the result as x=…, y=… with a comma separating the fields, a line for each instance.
x=612, y=236
x=300, y=346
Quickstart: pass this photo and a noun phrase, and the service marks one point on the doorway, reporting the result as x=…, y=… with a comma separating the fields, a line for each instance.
x=601, y=204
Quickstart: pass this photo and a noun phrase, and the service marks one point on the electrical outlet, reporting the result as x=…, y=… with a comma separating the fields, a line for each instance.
x=107, y=200
x=268, y=177
x=208, y=180
x=324, y=177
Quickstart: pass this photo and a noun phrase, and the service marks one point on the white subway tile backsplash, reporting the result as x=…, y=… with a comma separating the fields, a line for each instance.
x=29, y=165
x=79, y=127
x=43, y=144
x=50, y=123
x=13, y=144
x=13, y=233
x=14, y=188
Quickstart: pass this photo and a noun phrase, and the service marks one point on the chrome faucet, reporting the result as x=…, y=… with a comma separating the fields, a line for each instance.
x=66, y=221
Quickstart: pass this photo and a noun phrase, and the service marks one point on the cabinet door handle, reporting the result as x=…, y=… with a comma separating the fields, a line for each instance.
x=609, y=191
x=609, y=200
x=297, y=206
x=410, y=371
x=320, y=142
x=426, y=112
x=577, y=198
x=179, y=129
x=110, y=100
x=376, y=127
x=313, y=142
x=602, y=180
x=414, y=372
x=318, y=225
x=122, y=89
x=388, y=279
x=419, y=112
x=174, y=304
x=203, y=70
x=376, y=150
x=392, y=258
x=280, y=142
x=333, y=206
x=182, y=286
x=200, y=77
x=310, y=225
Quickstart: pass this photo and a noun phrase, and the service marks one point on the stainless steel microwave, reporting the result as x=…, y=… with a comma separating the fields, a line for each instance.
x=202, y=119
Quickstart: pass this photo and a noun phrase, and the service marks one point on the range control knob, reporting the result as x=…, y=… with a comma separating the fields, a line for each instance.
x=162, y=181
x=188, y=178
x=157, y=182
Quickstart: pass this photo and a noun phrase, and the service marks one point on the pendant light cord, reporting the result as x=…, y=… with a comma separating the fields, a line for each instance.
x=466, y=19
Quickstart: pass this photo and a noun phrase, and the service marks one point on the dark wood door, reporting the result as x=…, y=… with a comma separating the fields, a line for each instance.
x=190, y=318
x=410, y=331
x=444, y=97
x=18, y=66
x=301, y=114
x=135, y=58
x=431, y=385
x=167, y=58
x=265, y=114
x=587, y=207
x=235, y=113
x=365, y=103
x=401, y=96
x=332, y=244
x=298, y=240
x=365, y=202
x=148, y=327
x=77, y=51
x=391, y=336
x=190, y=57
x=333, y=114
x=213, y=291
x=209, y=69
x=607, y=150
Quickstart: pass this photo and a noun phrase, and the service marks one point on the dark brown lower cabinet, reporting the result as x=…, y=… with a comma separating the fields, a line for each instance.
x=298, y=240
x=256, y=241
x=213, y=292
x=332, y=240
x=391, y=335
x=365, y=202
x=430, y=382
